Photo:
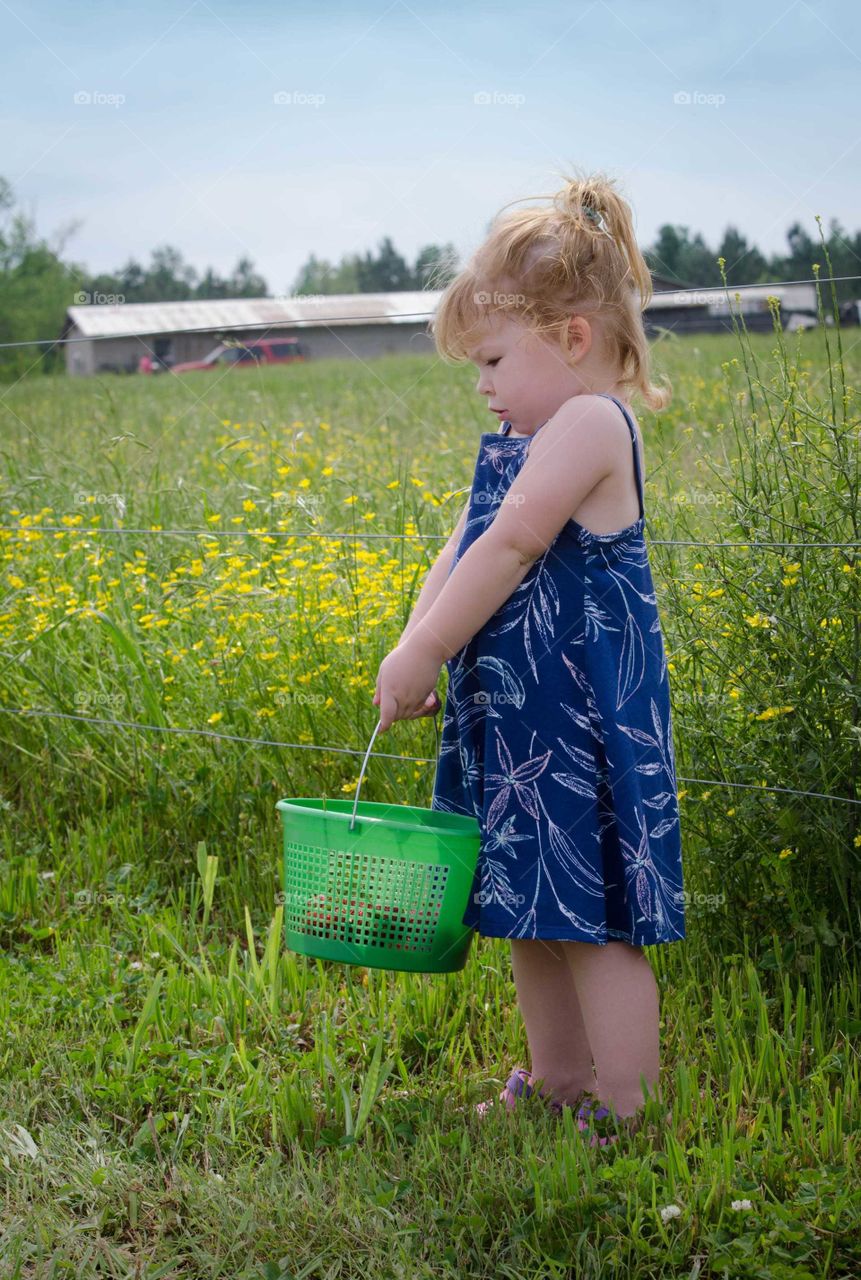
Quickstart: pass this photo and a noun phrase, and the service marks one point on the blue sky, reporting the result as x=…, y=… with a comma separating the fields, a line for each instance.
x=182, y=140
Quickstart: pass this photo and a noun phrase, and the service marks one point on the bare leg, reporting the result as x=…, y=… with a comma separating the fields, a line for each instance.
x=547, y=996
x=619, y=1001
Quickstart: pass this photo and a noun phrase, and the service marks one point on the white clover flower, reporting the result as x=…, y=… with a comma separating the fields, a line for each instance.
x=741, y=1204
x=670, y=1211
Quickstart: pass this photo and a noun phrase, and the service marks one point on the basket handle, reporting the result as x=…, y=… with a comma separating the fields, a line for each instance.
x=368, y=752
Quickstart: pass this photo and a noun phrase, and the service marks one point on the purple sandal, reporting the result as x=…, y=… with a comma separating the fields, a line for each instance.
x=519, y=1086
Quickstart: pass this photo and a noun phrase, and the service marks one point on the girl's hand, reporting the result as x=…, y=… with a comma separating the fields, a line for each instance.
x=406, y=685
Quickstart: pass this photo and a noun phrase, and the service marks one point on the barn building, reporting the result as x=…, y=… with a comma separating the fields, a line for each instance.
x=113, y=338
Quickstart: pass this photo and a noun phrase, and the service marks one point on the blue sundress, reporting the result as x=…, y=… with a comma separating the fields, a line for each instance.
x=557, y=735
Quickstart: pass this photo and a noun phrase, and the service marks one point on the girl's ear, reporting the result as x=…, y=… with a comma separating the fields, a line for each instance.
x=579, y=337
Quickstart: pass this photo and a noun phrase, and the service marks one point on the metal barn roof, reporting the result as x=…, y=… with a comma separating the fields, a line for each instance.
x=124, y=319
x=411, y=307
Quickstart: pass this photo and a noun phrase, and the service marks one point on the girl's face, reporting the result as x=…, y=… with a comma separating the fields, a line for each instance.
x=522, y=374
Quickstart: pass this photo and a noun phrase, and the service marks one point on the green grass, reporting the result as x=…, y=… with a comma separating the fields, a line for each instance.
x=190, y=1106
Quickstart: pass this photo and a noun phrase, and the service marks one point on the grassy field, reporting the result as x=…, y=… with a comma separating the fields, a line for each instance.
x=182, y=1097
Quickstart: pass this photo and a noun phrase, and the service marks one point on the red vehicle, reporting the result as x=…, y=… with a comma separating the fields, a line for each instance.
x=255, y=351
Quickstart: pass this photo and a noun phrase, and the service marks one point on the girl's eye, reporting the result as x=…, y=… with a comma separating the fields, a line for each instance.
x=493, y=362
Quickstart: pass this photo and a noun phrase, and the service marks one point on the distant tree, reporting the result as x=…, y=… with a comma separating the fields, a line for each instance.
x=744, y=263
x=36, y=287
x=802, y=252
x=845, y=252
x=211, y=285
x=319, y=277
x=665, y=256
x=385, y=272
x=679, y=257
x=245, y=283
x=169, y=278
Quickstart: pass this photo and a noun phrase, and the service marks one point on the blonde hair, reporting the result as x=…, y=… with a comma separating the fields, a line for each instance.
x=541, y=265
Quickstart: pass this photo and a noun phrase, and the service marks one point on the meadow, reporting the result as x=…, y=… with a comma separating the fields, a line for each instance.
x=200, y=577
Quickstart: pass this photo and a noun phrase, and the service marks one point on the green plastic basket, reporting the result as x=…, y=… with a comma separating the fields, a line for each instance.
x=385, y=886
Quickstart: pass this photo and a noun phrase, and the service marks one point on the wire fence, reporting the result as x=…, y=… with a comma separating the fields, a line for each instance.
x=306, y=746
x=360, y=535
x=311, y=321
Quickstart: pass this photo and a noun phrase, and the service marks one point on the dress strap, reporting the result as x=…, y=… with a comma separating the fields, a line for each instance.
x=633, y=431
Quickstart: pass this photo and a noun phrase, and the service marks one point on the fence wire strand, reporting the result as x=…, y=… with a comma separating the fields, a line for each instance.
x=307, y=746
x=414, y=537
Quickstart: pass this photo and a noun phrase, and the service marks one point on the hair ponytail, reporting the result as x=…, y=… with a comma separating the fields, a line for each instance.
x=579, y=253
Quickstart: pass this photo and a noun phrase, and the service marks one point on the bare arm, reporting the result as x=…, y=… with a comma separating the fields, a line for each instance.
x=575, y=450
x=435, y=580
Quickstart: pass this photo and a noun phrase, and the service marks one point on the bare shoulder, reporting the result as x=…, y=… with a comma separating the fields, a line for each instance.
x=599, y=424
x=614, y=501
x=599, y=409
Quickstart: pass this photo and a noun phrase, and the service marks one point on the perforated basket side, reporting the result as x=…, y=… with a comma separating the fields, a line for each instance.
x=363, y=899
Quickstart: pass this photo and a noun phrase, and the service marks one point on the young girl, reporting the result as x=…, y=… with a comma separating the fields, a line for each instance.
x=557, y=733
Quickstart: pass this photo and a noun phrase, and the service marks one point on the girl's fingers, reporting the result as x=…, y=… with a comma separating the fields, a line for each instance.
x=432, y=704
